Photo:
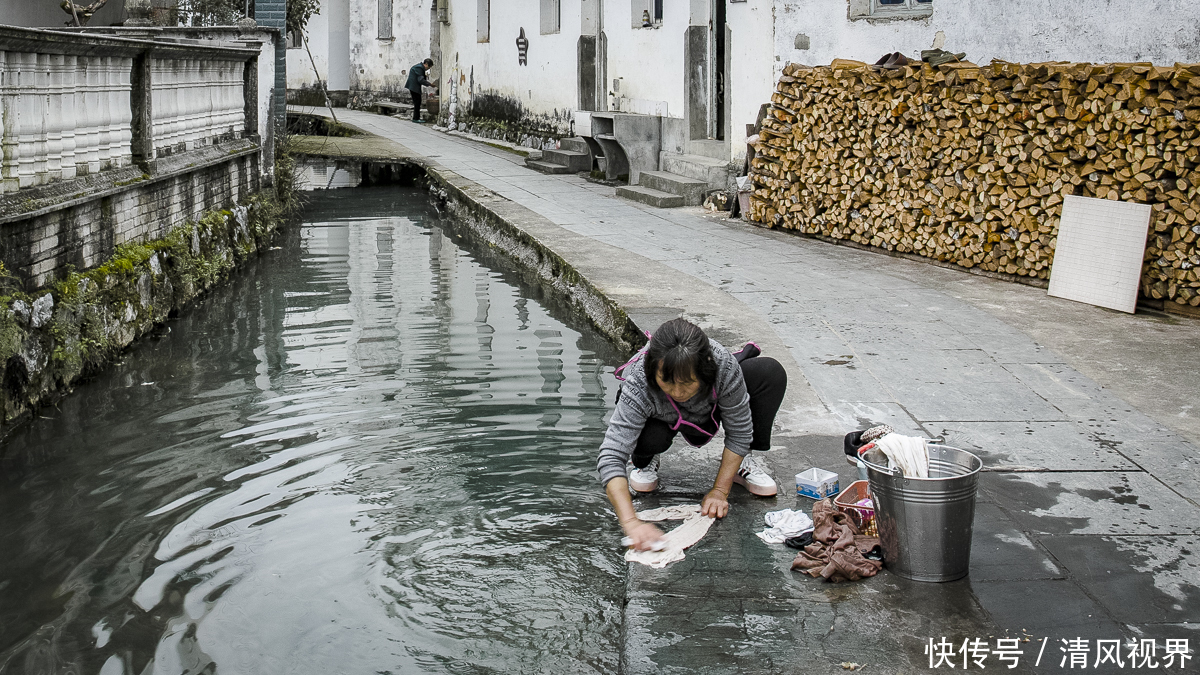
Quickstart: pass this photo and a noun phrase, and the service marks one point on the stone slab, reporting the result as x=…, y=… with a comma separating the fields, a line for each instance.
x=994, y=402
x=691, y=189
x=1104, y=503
x=840, y=379
x=1043, y=609
x=1138, y=579
x=1040, y=446
x=866, y=414
x=1000, y=551
x=574, y=160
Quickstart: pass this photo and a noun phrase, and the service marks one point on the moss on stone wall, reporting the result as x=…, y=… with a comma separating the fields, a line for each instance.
x=51, y=338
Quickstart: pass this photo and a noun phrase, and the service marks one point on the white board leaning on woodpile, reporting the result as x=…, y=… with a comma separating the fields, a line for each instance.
x=1099, y=251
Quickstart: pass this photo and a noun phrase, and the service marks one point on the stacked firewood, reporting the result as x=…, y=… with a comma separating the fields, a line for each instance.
x=970, y=164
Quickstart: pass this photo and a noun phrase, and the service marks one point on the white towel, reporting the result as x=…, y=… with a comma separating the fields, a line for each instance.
x=909, y=453
x=785, y=524
x=693, y=529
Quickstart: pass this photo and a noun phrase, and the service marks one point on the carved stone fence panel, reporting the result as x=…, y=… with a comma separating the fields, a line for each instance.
x=74, y=104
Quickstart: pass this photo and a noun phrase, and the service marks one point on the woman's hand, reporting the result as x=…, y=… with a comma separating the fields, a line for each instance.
x=715, y=504
x=643, y=535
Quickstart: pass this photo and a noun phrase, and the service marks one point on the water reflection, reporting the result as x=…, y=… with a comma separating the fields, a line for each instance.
x=317, y=173
x=370, y=453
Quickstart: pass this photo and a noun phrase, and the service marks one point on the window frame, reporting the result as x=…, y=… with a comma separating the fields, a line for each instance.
x=873, y=9
x=550, y=16
x=385, y=20
x=483, y=21
x=654, y=7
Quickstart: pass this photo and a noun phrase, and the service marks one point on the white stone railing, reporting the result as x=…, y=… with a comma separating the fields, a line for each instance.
x=196, y=102
x=63, y=115
x=74, y=104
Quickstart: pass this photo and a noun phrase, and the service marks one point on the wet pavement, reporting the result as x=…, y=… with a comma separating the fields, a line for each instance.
x=1087, y=518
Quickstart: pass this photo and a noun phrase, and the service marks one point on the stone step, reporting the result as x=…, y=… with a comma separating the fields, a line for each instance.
x=546, y=167
x=645, y=195
x=574, y=160
x=573, y=144
x=714, y=149
x=691, y=189
x=714, y=172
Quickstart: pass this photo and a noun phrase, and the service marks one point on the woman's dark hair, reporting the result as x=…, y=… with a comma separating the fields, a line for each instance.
x=682, y=351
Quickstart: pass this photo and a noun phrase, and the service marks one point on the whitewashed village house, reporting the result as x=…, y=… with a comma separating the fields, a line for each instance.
x=671, y=85
x=361, y=49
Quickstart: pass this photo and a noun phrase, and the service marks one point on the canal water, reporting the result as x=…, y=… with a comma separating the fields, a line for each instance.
x=372, y=452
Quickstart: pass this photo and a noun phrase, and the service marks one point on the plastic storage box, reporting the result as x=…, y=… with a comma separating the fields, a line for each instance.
x=817, y=483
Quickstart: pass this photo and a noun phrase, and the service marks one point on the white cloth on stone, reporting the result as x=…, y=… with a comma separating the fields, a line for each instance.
x=693, y=529
x=909, y=453
x=785, y=524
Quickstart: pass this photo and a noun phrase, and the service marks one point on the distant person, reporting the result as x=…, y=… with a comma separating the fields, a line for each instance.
x=418, y=77
x=684, y=382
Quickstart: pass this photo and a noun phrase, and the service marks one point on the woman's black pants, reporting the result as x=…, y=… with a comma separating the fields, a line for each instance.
x=766, y=382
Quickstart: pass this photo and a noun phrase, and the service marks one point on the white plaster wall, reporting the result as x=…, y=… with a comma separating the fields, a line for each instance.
x=1161, y=31
x=547, y=85
x=339, y=43
x=649, y=61
x=300, y=73
x=752, y=75
x=381, y=66
x=266, y=98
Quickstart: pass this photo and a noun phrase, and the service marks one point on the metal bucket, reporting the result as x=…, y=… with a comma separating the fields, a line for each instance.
x=925, y=523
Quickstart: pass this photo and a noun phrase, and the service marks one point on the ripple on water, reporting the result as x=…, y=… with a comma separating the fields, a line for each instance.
x=369, y=453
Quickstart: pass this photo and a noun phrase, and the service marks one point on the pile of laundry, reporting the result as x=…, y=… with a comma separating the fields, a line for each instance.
x=838, y=552
x=785, y=525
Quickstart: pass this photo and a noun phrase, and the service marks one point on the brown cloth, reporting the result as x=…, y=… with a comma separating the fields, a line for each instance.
x=837, y=549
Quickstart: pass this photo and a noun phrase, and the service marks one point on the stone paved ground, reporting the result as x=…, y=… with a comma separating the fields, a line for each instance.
x=1087, y=519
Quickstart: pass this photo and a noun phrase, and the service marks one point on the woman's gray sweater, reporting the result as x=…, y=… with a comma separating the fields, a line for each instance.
x=638, y=403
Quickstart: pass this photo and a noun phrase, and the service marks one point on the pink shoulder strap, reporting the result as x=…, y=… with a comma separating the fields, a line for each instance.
x=640, y=353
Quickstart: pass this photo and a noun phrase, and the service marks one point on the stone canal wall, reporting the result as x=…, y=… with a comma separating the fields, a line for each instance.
x=51, y=337
x=135, y=175
x=79, y=225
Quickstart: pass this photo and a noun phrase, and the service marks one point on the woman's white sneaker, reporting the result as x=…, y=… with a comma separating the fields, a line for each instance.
x=754, y=477
x=644, y=479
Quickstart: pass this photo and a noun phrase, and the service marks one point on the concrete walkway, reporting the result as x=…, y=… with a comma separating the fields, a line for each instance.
x=1087, y=518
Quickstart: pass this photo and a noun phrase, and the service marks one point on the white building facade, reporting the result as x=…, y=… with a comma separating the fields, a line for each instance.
x=705, y=67
x=361, y=49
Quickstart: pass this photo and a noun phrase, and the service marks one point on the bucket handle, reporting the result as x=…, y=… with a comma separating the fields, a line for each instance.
x=881, y=469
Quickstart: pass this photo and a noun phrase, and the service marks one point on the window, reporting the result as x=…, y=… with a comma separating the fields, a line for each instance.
x=646, y=13
x=483, y=30
x=294, y=39
x=890, y=9
x=551, y=16
x=385, y=19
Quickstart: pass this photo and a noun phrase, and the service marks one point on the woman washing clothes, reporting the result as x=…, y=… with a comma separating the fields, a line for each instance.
x=685, y=383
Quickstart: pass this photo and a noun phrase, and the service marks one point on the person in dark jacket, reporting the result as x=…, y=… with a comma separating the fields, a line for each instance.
x=417, y=77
